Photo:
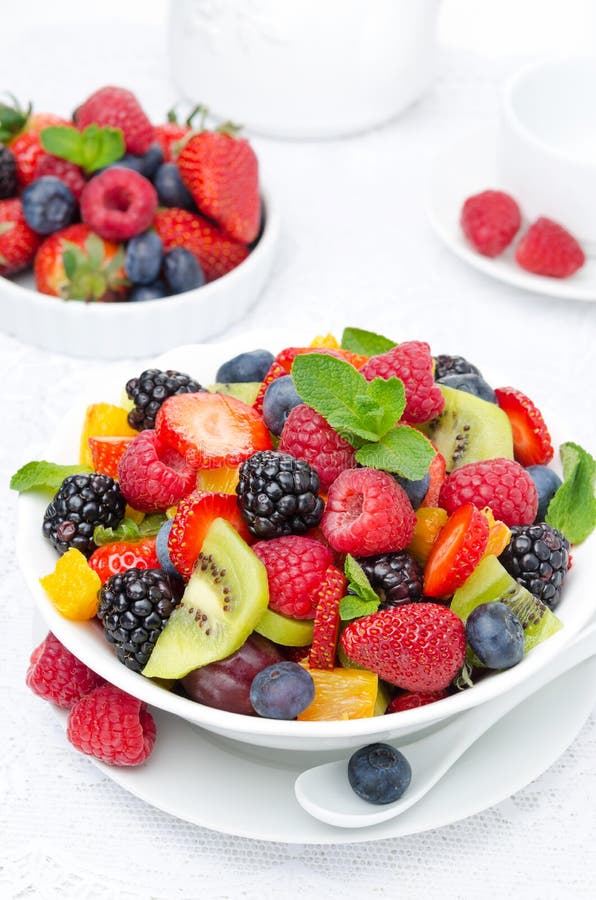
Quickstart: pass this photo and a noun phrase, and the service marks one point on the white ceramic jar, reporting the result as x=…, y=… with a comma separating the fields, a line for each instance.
x=303, y=68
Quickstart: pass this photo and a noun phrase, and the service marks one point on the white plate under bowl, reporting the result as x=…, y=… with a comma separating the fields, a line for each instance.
x=37, y=557
x=124, y=330
x=469, y=167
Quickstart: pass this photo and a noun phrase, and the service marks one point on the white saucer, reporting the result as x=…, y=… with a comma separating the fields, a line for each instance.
x=468, y=167
x=233, y=788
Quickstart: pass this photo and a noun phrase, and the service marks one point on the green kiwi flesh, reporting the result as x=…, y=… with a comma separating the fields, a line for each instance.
x=490, y=582
x=242, y=390
x=284, y=630
x=224, y=600
x=469, y=429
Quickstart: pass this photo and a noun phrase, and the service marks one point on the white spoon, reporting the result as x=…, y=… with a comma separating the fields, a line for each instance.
x=324, y=791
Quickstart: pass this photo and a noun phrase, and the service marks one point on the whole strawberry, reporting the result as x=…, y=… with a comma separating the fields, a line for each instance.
x=18, y=242
x=92, y=270
x=222, y=174
x=418, y=646
x=119, y=108
x=549, y=249
x=216, y=252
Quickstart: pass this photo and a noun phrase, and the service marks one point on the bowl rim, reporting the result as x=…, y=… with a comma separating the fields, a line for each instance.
x=524, y=132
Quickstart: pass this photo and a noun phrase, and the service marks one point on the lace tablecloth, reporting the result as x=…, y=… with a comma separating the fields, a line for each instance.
x=356, y=248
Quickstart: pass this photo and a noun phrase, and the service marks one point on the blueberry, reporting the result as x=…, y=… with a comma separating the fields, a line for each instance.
x=471, y=384
x=416, y=490
x=282, y=691
x=250, y=366
x=182, y=270
x=144, y=256
x=170, y=188
x=547, y=484
x=280, y=398
x=146, y=165
x=379, y=773
x=48, y=205
x=154, y=291
x=162, y=551
x=496, y=635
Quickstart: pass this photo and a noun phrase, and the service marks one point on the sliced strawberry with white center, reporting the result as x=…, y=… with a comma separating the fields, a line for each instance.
x=194, y=515
x=532, y=444
x=327, y=620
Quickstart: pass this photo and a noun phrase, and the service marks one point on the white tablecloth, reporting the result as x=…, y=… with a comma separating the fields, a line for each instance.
x=356, y=249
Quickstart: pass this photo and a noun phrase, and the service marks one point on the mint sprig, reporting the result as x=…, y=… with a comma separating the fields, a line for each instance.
x=364, y=413
x=41, y=474
x=365, y=342
x=92, y=149
x=362, y=599
x=572, y=510
x=129, y=531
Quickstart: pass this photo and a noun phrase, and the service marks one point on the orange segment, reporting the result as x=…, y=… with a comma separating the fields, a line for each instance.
x=498, y=536
x=103, y=420
x=342, y=694
x=429, y=521
x=219, y=481
x=325, y=340
x=72, y=586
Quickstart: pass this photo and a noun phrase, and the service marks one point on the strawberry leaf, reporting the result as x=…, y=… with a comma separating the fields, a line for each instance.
x=128, y=530
x=95, y=251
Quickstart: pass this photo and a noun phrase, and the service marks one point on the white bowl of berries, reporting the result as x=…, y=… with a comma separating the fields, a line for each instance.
x=120, y=238
x=340, y=589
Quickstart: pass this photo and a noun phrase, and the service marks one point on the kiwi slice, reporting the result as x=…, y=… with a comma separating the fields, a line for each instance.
x=224, y=599
x=491, y=582
x=284, y=630
x=383, y=699
x=242, y=390
x=469, y=429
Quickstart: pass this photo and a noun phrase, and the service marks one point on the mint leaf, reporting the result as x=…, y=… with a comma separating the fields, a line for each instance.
x=129, y=531
x=352, y=607
x=390, y=395
x=365, y=342
x=362, y=599
x=573, y=508
x=43, y=474
x=64, y=141
x=92, y=149
x=402, y=450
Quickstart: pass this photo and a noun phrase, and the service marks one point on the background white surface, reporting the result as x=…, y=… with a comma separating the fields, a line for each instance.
x=356, y=249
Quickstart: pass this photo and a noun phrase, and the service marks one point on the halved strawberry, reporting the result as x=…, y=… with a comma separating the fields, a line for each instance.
x=211, y=430
x=122, y=555
x=456, y=552
x=437, y=471
x=194, y=515
x=532, y=444
x=327, y=621
x=106, y=453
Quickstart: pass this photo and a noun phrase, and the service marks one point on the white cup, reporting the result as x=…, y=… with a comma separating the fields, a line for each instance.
x=547, y=144
x=303, y=68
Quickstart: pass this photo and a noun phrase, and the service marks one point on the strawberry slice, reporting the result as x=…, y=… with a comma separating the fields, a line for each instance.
x=437, y=471
x=327, y=621
x=275, y=371
x=211, y=430
x=194, y=515
x=122, y=555
x=106, y=453
x=456, y=552
x=532, y=444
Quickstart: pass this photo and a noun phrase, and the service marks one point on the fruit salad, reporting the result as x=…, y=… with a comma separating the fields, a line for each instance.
x=345, y=530
x=107, y=206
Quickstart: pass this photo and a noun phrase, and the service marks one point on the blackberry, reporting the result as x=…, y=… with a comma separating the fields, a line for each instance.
x=278, y=494
x=134, y=607
x=81, y=504
x=453, y=365
x=537, y=556
x=149, y=391
x=8, y=173
x=396, y=577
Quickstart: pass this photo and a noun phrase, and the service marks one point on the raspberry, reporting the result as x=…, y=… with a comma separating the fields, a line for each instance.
x=119, y=108
x=490, y=221
x=500, y=483
x=118, y=203
x=548, y=249
x=367, y=512
x=112, y=726
x=67, y=172
x=153, y=476
x=298, y=568
x=307, y=435
x=414, y=699
x=56, y=675
x=412, y=362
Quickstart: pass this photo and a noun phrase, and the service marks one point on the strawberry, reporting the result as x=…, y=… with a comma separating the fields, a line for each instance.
x=77, y=264
x=216, y=252
x=27, y=150
x=211, y=430
x=118, y=108
x=194, y=515
x=13, y=119
x=327, y=620
x=106, y=453
x=275, y=371
x=18, y=242
x=38, y=121
x=456, y=552
x=122, y=555
x=221, y=172
x=437, y=471
x=414, y=699
x=549, y=249
x=532, y=444
x=169, y=137
x=417, y=646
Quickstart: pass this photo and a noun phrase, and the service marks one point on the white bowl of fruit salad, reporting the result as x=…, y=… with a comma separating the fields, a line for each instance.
x=120, y=237
x=337, y=590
